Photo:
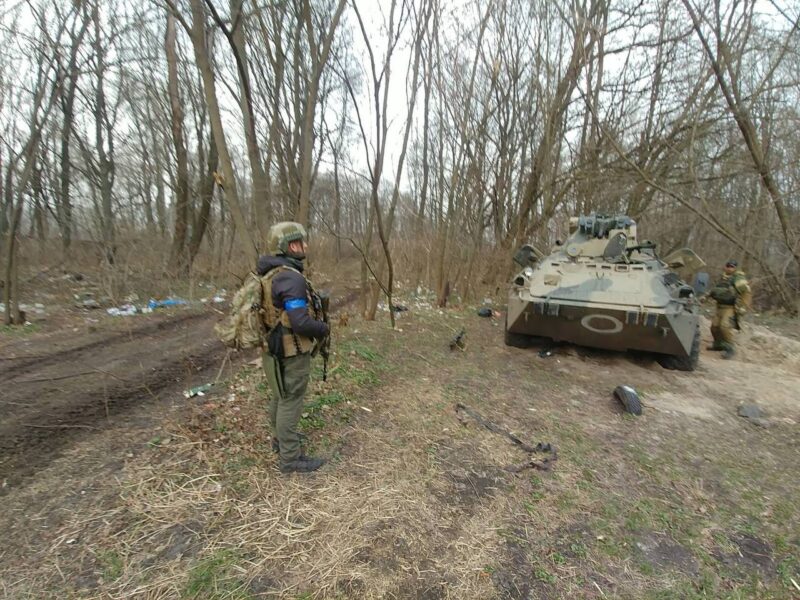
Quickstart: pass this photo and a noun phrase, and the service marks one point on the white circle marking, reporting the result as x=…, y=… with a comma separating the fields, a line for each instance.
x=586, y=322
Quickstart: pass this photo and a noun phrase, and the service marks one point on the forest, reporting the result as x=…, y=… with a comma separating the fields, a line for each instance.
x=426, y=139
x=148, y=146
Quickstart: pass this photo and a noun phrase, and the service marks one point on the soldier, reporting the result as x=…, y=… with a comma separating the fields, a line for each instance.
x=733, y=296
x=295, y=326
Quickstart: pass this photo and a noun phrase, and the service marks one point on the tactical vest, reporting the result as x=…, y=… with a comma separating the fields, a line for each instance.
x=724, y=291
x=293, y=344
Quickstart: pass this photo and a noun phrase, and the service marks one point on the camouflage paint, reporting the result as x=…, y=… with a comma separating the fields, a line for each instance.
x=602, y=288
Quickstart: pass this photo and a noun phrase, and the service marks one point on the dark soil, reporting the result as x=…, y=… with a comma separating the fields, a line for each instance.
x=64, y=386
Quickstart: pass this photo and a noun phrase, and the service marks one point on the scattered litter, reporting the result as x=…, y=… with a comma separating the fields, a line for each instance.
x=89, y=304
x=485, y=312
x=366, y=409
x=37, y=309
x=153, y=303
x=199, y=390
x=755, y=414
x=543, y=448
x=629, y=398
x=218, y=299
x=750, y=411
x=126, y=310
x=545, y=352
x=458, y=341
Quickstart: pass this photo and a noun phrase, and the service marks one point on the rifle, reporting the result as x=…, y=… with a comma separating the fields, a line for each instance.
x=322, y=302
x=458, y=341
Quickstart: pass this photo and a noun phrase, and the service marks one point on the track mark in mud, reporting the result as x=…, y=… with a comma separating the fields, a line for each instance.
x=14, y=369
x=60, y=400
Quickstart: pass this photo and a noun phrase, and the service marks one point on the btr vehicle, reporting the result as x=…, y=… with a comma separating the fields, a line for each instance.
x=604, y=288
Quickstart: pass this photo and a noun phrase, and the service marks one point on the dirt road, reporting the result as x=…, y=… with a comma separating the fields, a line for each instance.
x=67, y=385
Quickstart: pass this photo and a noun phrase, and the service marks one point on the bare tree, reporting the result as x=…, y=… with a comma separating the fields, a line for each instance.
x=724, y=64
x=198, y=34
x=178, y=260
x=43, y=91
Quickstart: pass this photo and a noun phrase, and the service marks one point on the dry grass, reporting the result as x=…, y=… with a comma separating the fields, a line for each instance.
x=416, y=503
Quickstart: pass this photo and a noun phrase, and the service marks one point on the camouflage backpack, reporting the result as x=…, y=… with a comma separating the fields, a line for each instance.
x=244, y=326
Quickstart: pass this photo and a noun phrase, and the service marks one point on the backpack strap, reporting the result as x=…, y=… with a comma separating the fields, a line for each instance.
x=274, y=315
x=271, y=314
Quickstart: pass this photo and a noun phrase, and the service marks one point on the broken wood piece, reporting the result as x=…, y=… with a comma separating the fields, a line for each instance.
x=543, y=465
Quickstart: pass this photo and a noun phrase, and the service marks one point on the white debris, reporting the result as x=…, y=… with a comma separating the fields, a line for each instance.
x=126, y=310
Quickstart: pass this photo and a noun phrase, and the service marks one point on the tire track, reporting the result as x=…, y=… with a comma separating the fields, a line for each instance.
x=11, y=370
x=46, y=414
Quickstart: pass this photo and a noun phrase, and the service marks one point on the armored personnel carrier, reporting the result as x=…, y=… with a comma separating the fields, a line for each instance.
x=604, y=288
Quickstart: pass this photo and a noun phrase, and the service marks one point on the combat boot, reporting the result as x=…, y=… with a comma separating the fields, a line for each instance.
x=303, y=464
x=715, y=348
x=728, y=353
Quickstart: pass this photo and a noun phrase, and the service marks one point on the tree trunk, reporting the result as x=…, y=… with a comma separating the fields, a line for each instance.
x=228, y=179
x=67, y=97
x=206, y=198
x=104, y=134
x=260, y=192
x=319, y=58
x=178, y=263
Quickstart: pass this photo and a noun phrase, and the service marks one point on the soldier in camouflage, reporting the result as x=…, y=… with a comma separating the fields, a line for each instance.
x=733, y=297
x=295, y=329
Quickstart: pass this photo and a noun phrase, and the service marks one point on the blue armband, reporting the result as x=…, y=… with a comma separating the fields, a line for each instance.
x=295, y=303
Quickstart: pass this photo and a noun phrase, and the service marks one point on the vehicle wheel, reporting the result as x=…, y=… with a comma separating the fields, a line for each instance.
x=684, y=363
x=629, y=398
x=521, y=340
x=517, y=340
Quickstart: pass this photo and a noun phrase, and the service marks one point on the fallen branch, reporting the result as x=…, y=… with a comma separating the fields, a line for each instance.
x=543, y=465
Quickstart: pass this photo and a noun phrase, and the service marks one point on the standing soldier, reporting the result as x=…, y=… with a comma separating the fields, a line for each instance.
x=733, y=296
x=295, y=326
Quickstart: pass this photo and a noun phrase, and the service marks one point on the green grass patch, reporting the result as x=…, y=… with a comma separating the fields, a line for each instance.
x=19, y=330
x=543, y=575
x=788, y=570
x=578, y=550
x=111, y=565
x=359, y=376
x=211, y=579
x=314, y=412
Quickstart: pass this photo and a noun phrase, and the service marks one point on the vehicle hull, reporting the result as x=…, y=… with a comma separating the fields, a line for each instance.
x=612, y=327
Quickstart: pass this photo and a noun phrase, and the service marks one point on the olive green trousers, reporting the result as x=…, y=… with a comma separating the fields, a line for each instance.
x=288, y=381
x=722, y=327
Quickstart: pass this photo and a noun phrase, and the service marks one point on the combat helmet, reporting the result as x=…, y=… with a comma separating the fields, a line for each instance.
x=282, y=234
